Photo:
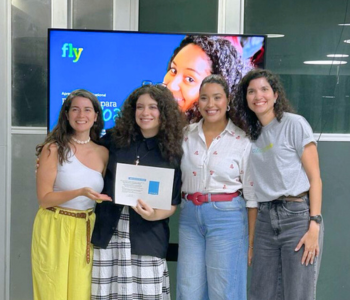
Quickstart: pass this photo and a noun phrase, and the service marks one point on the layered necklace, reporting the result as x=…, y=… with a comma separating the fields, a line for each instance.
x=80, y=142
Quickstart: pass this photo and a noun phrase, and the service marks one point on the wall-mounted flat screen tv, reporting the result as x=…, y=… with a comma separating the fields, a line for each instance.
x=111, y=64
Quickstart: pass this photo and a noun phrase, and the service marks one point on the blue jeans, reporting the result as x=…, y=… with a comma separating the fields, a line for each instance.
x=213, y=245
x=277, y=272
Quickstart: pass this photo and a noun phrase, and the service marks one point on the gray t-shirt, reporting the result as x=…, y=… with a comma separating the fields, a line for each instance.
x=276, y=158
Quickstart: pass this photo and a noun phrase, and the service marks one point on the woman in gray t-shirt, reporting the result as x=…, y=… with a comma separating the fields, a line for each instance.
x=289, y=230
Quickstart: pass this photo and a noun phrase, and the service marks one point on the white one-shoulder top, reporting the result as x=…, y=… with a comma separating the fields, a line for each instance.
x=72, y=175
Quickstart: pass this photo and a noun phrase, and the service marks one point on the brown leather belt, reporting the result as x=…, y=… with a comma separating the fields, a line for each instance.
x=297, y=198
x=199, y=198
x=79, y=215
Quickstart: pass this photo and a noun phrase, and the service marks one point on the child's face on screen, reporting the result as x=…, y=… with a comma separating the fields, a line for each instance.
x=188, y=68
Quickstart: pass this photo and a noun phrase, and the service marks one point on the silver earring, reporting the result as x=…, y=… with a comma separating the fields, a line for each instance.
x=199, y=109
x=228, y=108
x=275, y=101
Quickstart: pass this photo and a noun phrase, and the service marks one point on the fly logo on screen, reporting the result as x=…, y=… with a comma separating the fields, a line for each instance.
x=71, y=51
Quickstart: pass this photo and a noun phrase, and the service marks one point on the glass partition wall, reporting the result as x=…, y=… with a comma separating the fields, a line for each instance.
x=309, y=46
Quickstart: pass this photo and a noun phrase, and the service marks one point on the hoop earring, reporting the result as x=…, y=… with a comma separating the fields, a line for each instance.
x=228, y=108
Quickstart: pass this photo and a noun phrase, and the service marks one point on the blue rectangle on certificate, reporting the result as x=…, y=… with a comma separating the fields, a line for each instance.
x=153, y=188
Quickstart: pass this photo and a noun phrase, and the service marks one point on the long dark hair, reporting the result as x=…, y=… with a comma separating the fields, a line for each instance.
x=243, y=116
x=169, y=136
x=225, y=62
x=63, y=132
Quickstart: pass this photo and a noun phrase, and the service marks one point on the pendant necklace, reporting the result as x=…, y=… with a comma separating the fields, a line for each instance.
x=137, y=161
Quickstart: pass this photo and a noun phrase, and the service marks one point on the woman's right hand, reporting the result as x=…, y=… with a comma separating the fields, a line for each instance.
x=93, y=195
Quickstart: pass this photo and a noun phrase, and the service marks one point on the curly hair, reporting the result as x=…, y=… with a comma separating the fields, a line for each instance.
x=62, y=132
x=171, y=122
x=247, y=119
x=225, y=62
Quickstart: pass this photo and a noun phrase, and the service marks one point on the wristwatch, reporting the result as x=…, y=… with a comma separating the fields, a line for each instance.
x=317, y=219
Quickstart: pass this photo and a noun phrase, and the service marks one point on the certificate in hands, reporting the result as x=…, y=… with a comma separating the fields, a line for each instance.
x=151, y=184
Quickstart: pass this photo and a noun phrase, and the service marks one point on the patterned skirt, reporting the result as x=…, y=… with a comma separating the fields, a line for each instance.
x=118, y=274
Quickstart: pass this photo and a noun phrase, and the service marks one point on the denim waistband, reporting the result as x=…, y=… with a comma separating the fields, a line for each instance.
x=277, y=202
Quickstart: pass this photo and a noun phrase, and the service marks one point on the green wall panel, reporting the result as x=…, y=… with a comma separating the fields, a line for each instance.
x=178, y=15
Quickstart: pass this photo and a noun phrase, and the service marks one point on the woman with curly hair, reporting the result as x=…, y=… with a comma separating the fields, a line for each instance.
x=289, y=230
x=131, y=244
x=196, y=58
x=213, y=225
x=69, y=181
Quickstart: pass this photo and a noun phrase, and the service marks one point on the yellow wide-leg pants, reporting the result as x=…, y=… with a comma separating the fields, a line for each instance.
x=60, y=267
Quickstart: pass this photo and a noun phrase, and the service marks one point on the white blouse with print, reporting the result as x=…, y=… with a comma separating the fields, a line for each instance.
x=221, y=168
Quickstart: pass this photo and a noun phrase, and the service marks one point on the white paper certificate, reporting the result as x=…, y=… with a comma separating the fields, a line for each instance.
x=150, y=184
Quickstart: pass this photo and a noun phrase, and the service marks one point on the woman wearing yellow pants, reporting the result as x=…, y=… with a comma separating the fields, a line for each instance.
x=69, y=181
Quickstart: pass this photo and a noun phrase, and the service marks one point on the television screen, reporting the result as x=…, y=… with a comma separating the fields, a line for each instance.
x=111, y=64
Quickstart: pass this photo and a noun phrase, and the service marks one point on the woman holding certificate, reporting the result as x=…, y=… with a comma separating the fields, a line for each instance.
x=131, y=243
x=213, y=226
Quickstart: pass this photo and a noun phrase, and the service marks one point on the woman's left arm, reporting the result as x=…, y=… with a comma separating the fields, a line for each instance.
x=104, y=152
x=249, y=195
x=310, y=163
x=252, y=215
